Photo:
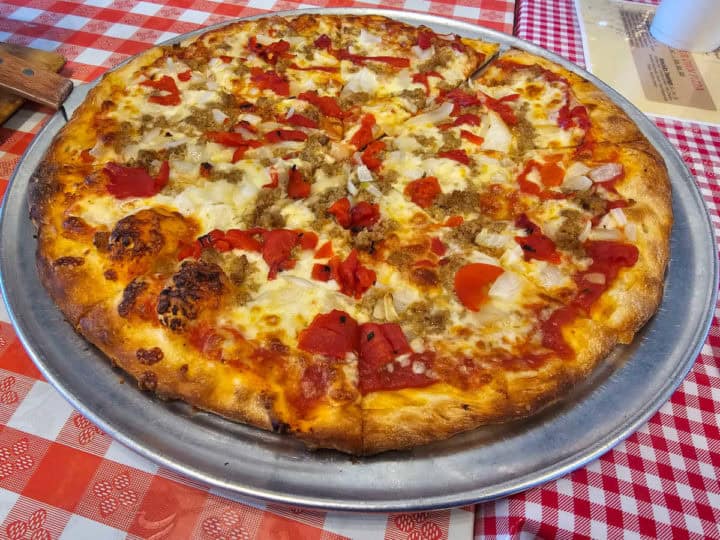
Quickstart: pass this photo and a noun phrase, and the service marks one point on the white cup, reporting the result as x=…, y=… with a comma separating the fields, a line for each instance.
x=691, y=25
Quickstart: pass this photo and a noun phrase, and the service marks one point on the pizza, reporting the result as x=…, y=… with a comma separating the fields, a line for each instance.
x=352, y=230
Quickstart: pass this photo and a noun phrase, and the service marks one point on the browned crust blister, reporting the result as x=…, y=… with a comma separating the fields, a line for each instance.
x=379, y=421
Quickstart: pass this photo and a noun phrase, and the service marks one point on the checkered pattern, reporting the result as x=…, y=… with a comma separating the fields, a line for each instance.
x=61, y=476
x=663, y=481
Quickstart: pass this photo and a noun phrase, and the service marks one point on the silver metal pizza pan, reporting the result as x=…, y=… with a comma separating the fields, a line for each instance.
x=628, y=388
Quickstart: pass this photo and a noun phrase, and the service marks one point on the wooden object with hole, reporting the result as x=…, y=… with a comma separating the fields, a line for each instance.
x=41, y=62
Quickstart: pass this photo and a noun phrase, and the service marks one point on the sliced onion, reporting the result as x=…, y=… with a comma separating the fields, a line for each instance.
x=423, y=54
x=606, y=172
x=595, y=277
x=577, y=183
x=219, y=116
x=489, y=239
x=506, y=286
x=170, y=65
x=352, y=188
x=577, y=169
x=251, y=118
x=368, y=38
x=183, y=167
x=404, y=359
x=498, y=136
x=202, y=97
x=297, y=280
x=605, y=234
x=290, y=112
x=173, y=144
x=363, y=80
x=585, y=232
x=364, y=174
x=418, y=368
x=551, y=277
x=619, y=216
x=433, y=117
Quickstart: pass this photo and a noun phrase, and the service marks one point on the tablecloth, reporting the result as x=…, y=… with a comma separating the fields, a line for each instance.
x=62, y=477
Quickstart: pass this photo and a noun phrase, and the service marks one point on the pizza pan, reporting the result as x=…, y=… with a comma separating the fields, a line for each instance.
x=623, y=392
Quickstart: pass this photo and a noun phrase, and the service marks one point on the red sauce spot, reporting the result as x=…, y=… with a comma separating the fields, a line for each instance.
x=535, y=245
x=437, y=247
x=297, y=187
x=370, y=157
x=472, y=283
x=422, y=78
x=608, y=259
x=127, y=182
x=425, y=39
x=327, y=105
x=345, y=54
x=271, y=52
x=332, y=334
x=456, y=155
x=469, y=119
x=361, y=216
x=423, y=191
x=326, y=250
x=468, y=136
x=300, y=120
x=270, y=80
x=282, y=135
x=168, y=92
x=364, y=134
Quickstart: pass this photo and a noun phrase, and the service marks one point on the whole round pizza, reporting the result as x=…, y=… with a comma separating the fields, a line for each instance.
x=353, y=230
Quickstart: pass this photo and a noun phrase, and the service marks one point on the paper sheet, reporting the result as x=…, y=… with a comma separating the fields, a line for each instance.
x=658, y=79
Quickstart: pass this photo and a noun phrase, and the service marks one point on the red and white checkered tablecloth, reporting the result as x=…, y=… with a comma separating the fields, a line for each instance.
x=61, y=477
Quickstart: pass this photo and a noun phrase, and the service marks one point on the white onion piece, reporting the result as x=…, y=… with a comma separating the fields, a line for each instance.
x=352, y=188
x=202, y=97
x=363, y=80
x=498, y=136
x=368, y=38
x=506, y=286
x=577, y=183
x=432, y=117
x=251, y=118
x=595, y=277
x=244, y=132
x=605, y=234
x=212, y=85
x=551, y=277
x=423, y=54
x=619, y=216
x=605, y=172
x=170, y=65
x=290, y=112
x=172, y=144
x=214, y=63
x=183, y=167
x=374, y=191
x=297, y=280
x=585, y=232
x=364, y=174
x=418, y=368
x=577, y=169
x=489, y=239
x=219, y=116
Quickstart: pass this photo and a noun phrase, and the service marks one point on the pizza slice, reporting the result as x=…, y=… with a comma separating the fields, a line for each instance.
x=269, y=57
x=553, y=106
